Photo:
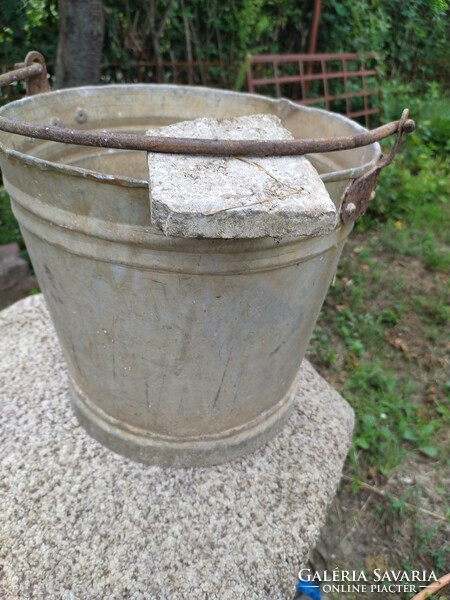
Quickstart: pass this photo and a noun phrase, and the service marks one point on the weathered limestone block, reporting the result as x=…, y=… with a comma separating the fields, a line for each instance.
x=230, y=197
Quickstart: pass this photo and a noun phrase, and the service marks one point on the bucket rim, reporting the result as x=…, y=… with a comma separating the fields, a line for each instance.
x=282, y=106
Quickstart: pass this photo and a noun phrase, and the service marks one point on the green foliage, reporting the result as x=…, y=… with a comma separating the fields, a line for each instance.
x=425, y=547
x=377, y=316
x=412, y=199
x=9, y=228
x=27, y=25
x=387, y=421
x=411, y=37
x=324, y=354
x=204, y=31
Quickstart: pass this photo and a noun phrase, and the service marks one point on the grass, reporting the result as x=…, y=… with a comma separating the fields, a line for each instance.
x=382, y=341
x=382, y=335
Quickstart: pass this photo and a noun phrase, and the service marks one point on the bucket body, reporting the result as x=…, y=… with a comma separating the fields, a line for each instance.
x=180, y=352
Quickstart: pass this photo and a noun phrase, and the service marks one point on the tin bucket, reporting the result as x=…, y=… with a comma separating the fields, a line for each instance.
x=180, y=352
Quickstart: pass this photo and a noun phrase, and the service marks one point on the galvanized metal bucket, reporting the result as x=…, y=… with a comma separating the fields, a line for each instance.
x=180, y=352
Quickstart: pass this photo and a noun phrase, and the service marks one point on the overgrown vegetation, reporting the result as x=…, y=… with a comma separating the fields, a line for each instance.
x=382, y=340
x=382, y=333
x=27, y=25
x=412, y=36
x=9, y=228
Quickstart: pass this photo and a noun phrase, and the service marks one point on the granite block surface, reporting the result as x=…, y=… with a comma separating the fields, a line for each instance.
x=80, y=522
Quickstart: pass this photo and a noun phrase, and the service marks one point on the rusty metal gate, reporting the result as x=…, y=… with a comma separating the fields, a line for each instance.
x=345, y=83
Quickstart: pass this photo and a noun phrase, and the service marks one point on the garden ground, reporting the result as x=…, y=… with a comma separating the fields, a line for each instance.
x=382, y=341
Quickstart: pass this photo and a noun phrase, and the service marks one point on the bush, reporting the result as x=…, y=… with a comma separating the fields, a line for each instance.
x=9, y=228
x=417, y=180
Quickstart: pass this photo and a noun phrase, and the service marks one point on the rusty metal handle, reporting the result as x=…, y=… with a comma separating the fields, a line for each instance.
x=20, y=73
x=169, y=145
x=34, y=71
x=361, y=191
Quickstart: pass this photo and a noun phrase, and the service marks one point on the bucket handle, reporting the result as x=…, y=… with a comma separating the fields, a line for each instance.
x=34, y=71
x=359, y=192
x=356, y=197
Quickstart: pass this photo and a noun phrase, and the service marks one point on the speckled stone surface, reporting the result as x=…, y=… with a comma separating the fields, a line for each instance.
x=240, y=196
x=79, y=522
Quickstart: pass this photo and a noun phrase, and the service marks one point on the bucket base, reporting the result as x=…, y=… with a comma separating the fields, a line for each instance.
x=166, y=451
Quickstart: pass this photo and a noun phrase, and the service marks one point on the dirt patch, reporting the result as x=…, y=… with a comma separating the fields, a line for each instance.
x=397, y=525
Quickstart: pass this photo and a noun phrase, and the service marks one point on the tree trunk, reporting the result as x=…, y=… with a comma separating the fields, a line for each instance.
x=81, y=32
x=187, y=38
x=156, y=31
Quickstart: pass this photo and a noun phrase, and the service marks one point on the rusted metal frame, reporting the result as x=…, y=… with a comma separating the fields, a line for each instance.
x=249, y=79
x=321, y=99
x=347, y=97
x=356, y=94
x=275, y=80
x=311, y=101
x=327, y=98
x=304, y=78
x=361, y=113
x=263, y=58
x=314, y=27
x=313, y=38
x=326, y=91
x=312, y=77
x=359, y=73
x=126, y=141
x=365, y=97
x=344, y=97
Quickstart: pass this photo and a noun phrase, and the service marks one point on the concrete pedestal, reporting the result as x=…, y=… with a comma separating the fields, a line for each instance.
x=79, y=522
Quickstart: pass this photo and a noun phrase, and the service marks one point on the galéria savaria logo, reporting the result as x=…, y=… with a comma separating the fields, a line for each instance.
x=311, y=583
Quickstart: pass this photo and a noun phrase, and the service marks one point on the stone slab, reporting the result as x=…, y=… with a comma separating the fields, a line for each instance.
x=11, y=249
x=80, y=522
x=236, y=197
x=15, y=281
x=12, y=270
